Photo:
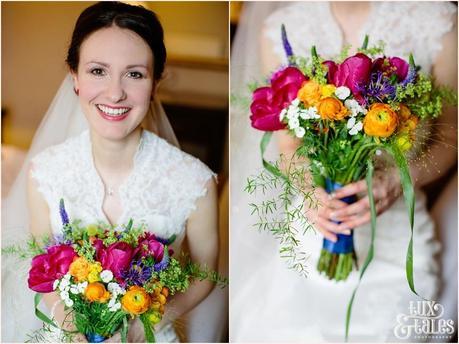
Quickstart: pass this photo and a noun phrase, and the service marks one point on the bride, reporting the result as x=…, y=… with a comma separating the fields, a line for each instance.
x=271, y=303
x=115, y=169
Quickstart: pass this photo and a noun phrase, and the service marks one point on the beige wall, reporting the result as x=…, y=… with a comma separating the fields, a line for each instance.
x=35, y=36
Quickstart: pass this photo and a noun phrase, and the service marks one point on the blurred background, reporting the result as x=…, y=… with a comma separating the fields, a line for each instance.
x=194, y=92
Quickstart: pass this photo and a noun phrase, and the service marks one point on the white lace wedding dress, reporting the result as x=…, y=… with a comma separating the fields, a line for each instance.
x=160, y=192
x=268, y=301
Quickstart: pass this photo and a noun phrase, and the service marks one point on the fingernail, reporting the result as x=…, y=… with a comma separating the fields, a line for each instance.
x=333, y=215
x=331, y=195
x=347, y=232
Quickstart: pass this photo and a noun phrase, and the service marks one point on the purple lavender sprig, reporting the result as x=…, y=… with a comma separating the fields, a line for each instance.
x=63, y=213
x=163, y=263
x=287, y=47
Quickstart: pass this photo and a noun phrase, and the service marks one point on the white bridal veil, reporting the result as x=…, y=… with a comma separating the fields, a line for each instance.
x=63, y=119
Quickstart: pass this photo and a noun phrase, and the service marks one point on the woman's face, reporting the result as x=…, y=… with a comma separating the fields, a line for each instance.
x=115, y=81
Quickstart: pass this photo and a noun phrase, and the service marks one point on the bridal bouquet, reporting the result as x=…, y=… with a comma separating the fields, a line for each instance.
x=344, y=112
x=106, y=276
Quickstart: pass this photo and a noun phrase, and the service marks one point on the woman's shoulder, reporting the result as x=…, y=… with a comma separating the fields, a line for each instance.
x=171, y=158
x=59, y=156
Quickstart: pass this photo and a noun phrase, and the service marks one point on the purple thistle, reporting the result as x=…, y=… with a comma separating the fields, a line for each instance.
x=286, y=44
x=63, y=213
x=163, y=263
x=378, y=88
x=137, y=274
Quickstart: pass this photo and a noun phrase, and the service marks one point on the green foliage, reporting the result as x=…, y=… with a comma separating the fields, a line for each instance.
x=174, y=277
x=280, y=215
x=204, y=273
x=32, y=248
x=373, y=51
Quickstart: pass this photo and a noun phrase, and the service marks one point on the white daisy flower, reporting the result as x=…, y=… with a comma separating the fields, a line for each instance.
x=356, y=128
x=293, y=112
x=282, y=114
x=295, y=102
x=55, y=284
x=74, y=289
x=293, y=123
x=342, y=92
x=299, y=132
x=350, y=122
x=81, y=287
x=64, y=295
x=115, y=307
x=106, y=276
x=68, y=302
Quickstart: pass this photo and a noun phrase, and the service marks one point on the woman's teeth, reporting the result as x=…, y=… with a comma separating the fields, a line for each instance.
x=112, y=112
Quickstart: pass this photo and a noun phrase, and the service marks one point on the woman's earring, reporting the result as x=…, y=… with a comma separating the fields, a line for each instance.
x=77, y=92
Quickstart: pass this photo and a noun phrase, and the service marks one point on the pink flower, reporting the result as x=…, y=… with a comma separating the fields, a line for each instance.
x=116, y=257
x=268, y=102
x=48, y=267
x=150, y=246
x=390, y=66
x=352, y=73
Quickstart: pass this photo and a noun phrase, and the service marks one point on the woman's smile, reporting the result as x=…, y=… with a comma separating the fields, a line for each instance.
x=113, y=113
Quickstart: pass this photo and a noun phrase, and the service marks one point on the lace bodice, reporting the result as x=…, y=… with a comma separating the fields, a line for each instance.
x=405, y=27
x=160, y=192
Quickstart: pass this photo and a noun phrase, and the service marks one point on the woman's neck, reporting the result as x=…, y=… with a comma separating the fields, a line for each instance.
x=115, y=156
x=351, y=16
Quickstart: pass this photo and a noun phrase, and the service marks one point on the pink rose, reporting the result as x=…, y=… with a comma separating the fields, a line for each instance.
x=353, y=73
x=268, y=102
x=116, y=257
x=150, y=246
x=392, y=65
x=48, y=267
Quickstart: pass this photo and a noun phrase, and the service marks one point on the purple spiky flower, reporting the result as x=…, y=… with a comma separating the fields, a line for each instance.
x=63, y=213
x=287, y=47
x=379, y=88
x=137, y=274
x=163, y=263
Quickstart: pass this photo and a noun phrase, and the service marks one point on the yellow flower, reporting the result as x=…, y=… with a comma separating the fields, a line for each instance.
x=310, y=93
x=136, y=300
x=332, y=109
x=404, y=142
x=96, y=292
x=380, y=120
x=92, y=230
x=79, y=269
x=94, y=272
x=328, y=90
x=409, y=125
x=154, y=317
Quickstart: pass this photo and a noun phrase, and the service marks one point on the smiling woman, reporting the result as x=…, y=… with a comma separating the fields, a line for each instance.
x=107, y=149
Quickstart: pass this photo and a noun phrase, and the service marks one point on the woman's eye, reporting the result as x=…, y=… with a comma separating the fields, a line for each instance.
x=135, y=75
x=97, y=71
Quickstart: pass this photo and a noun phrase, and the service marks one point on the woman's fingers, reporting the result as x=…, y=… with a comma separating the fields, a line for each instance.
x=351, y=189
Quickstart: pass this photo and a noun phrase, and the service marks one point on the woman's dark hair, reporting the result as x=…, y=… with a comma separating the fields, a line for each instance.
x=135, y=18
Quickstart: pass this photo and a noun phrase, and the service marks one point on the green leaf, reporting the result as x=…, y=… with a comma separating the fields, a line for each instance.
x=408, y=193
x=149, y=335
x=267, y=165
x=369, y=179
x=124, y=331
x=40, y=315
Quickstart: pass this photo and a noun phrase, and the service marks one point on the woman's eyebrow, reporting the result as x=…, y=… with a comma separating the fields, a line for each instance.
x=127, y=67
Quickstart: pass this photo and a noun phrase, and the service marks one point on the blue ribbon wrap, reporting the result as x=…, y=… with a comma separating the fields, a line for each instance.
x=345, y=243
x=95, y=338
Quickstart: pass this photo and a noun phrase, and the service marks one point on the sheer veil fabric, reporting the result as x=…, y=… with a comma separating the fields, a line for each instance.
x=64, y=119
x=268, y=301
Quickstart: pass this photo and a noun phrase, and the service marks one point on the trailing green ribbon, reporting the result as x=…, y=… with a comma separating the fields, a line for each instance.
x=124, y=331
x=369, y=180
x=149, y=335
x=408, y=194
x=40, y=315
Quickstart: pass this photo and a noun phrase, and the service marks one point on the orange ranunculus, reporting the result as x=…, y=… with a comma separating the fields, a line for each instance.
x=136, y=300
x=409, y=125
x=96, y=292
x=404, y=113
x=380, y=120
x=310, y=93
x=80, y=269
x=331, y=109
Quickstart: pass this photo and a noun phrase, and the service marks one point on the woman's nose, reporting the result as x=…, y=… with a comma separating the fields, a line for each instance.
x=116, y=92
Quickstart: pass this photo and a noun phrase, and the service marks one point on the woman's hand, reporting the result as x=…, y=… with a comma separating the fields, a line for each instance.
x=320, y=216
x=386, y=190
